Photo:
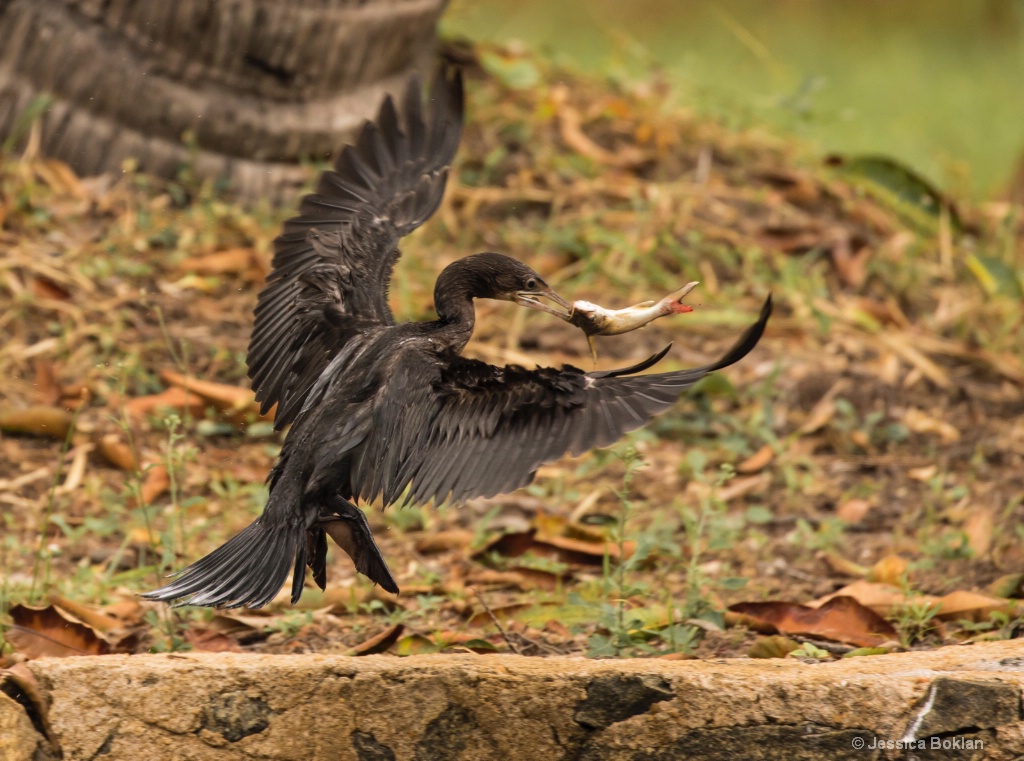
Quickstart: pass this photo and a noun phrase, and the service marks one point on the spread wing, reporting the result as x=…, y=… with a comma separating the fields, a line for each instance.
x=332, y=264
x=481, y=430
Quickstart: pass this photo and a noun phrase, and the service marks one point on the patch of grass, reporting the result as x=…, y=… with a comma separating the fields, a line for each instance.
x=923, y=326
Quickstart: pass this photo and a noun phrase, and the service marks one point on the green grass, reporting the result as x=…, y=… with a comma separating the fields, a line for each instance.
x=935, y=83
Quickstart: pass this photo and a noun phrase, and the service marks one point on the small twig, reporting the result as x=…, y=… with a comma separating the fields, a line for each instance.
x=495, y=621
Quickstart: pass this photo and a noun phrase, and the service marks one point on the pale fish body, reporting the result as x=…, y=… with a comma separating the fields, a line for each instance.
x=596, y=320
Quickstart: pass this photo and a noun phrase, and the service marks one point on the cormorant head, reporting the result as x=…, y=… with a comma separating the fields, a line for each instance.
x=496, y=276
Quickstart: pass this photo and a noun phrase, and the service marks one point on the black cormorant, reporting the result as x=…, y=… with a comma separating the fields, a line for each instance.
x=377, y=408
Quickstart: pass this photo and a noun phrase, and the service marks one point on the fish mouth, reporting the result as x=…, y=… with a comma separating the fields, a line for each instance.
x=531, y=300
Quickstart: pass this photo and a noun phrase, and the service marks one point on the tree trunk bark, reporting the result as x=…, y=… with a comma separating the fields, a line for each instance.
x=241, y=90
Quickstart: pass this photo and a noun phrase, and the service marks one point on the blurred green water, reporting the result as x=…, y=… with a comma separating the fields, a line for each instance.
x=938, y=84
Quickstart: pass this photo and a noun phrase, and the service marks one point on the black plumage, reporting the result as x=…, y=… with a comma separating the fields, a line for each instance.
x=380, y=409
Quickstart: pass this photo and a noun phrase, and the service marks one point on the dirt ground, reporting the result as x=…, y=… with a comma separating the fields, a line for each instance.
x=875, y=437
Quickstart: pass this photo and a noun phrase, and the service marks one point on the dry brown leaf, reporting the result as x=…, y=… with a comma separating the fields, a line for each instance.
x=741, y=487
x=824, y=410
x=841, y=619
x=40, y=420
x=240, y=625
x=555, y=626
x=59, y=176
x=904, y=346
x=569, y=550
x=47, y=390
x=851, y=266
x=852, y=511
x=234, y=400
x=379, y=643
x=511, y=544
x=116, y=452
x=535, y=578
x=233, y=260
x=49, y=633
x=921, y=422
x=172, y=399
x=487, y=577
x=883, y=599
x=211, y=641
x=96, y=619
x=503, y=613
x=444, y=541
x=760, y=460
x=979, y=527
x=892, y=569
x=44, y=288
x=841, y=565
x=1009, y=585
x=19, y=682
x=973, y=606
x=924, y=474
x=156, y=482
x=570, y=125
x=775, y=646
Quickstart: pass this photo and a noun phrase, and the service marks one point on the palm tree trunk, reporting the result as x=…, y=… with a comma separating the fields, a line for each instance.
x=243, y=90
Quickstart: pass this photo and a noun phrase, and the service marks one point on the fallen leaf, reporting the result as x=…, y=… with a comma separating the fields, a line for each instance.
x=841, y=619
x=44, y=288
x=96, y=619
x=1011, y=585
x=760, y=460
x=555, y=626
x=924, y=474
x=570, y=124
x=211, y=641
x=921, y=422
x=502, y=613
x=49, y=633
x=237, y=401
x=824, y=409
x=115, y=451
x=979, y=527
x=568, y=550
x=511, y=544
x=444, y=541
x=973, y=606
x=379, y=643
x=233, y=260
x=521, y=578
x=40, y=420
x=171, y=399
x=883, y=599
x=19, y=683
x=415, y=644
x=892, y=569
x=156, y=482
x=775, y=646
x=47, y=390
x=839, y=564
x=852, y=511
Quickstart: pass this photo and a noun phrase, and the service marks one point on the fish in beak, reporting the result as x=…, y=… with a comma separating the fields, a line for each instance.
x=595, y=320
x=531, y=299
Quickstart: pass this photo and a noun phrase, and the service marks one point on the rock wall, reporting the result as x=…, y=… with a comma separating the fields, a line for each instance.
x=961, y=702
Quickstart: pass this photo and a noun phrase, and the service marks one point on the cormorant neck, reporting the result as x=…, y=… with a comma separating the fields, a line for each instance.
x=456, y=287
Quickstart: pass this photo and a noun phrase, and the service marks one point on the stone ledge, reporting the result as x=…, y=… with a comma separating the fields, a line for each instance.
x=379, y=708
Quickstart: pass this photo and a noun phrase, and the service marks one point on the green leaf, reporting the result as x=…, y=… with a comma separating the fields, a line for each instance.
x=516, y=73
x=995, y=276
